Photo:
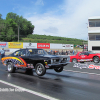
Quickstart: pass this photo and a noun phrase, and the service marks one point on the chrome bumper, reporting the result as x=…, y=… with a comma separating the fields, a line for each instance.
x=59, y=64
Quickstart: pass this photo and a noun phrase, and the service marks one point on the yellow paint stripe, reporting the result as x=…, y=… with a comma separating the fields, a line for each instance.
x=5, y=58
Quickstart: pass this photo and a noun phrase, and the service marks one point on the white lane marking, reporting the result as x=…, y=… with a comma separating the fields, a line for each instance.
x=29, y=91
x=80, y=72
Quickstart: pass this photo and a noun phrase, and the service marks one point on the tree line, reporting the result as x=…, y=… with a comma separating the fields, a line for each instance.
x=13, y=23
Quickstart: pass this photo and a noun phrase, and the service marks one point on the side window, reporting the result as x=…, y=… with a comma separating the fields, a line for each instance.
x=27, y=53
x=40, y=51
x=33, y=52
x=82, y=53
x=17, y=53
x=86, y=53
x=20, y=53
x=23, y=53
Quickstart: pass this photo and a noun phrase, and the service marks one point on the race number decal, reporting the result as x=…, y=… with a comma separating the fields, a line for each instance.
x=83, y=56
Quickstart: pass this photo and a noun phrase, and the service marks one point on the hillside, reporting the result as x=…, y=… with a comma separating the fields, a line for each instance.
x=51, y=39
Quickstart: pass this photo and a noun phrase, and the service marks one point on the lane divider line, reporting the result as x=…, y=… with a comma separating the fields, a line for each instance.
x=29, y=91
x=81, y=72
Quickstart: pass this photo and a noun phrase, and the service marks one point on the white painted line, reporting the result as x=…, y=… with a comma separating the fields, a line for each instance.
x=81, y=72
x=29, y=91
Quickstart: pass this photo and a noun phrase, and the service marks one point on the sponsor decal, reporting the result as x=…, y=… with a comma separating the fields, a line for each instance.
x=91, y=66
x=15, y=44
x=84, y=60
x=30, y=66
x=43, y=45
x=67, y=45
x=83, y=56
x=3, y=44
x=30, y=44
x=46, y=66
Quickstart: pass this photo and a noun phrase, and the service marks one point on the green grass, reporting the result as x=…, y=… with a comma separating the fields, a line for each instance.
x=52, y=39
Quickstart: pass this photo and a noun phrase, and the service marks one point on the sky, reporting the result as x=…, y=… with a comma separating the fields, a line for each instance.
x=62, y=18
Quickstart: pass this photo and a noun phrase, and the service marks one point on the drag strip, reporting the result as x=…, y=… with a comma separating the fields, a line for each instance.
x=9, y=91
x=83, y=70
x=18, y=88
x=70, y=84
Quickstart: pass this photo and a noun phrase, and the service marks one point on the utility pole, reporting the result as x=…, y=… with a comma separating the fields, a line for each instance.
x=18, y=33
x=83, y=45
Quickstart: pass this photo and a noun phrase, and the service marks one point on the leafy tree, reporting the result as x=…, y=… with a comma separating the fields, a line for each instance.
x=10, y=34
x=10, y=25
x=0, y=16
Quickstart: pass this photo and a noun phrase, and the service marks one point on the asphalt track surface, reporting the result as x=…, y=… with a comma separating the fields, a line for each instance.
x=71, y=84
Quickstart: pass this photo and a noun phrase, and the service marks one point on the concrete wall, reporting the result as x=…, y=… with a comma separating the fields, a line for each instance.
x=93, y=29
x=13, y=46
x=93, y=43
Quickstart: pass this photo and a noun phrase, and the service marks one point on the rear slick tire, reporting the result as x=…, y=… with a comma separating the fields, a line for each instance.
x=10, y=67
